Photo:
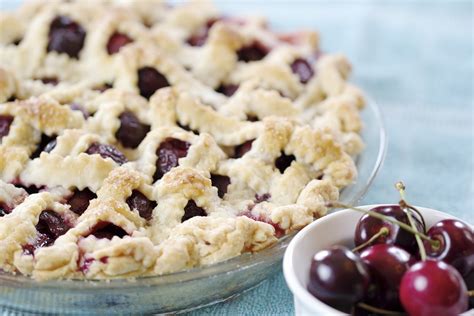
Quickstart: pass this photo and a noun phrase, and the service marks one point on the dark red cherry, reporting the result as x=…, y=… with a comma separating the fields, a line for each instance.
x=262, y=198
x=284, y=161
x=50, y=80
x=139, y=202
x=107, y=230
x=456, y=245
x=50, y=226
x=338, y=277
x=169, y=153
x=47, y=144
x=79, y=200
x=191, y=210
x=433, y=288
x=131, y=131
x=221, y=183
x=387, y=264
x=4, y=209
x=150, y=80
x=302, y=68
x=116, y=42
x=253, y=52
x=227, y=89
x=107, y=151
x=5, y=122
x=242, y=149
x=368, y=226
x=66, y=36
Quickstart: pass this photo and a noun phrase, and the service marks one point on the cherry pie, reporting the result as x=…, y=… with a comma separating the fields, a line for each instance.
x=139, y=138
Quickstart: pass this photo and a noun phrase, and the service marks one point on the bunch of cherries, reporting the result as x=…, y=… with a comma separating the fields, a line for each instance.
x=398, y=266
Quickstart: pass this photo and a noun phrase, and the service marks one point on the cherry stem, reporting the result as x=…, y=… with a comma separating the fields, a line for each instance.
x=401, y=188
x=373, y=309
x=381, y=217
x=382, y=232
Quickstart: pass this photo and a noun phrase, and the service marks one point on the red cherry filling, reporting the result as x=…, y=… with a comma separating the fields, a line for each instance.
x=252, y=118
x=253, y=52
x=303, y=69
x=5, y=123
x=47, y=144
x=150, y=80
x=191, y=210
x=4, y=209
x=80, y=108
x=169, y=152
x=227, y=89
x=139, y=202
x=283, y=162
x=131, y=132
x=116, y=42
x=242, y=149
x=221, y=183
x=259, y=198
x=200, y=37
x=107, y=230
x=107, y=151
x=50, y=80
x=79, y=200
x=50, y=226
x=66, y=36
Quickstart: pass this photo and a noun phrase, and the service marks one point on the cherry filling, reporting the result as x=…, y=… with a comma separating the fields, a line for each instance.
x=50, y=80
x=50, y=226
x=242, y=149
x=139, y=202
x=302, y=68
x=5, y=123
x=200, y=37
x=283, y=162
x=150, y=80
x=227, y=89
x=221, y=183
x=116, y=42
x=103, y=87
x=107, y=230
x=252, y=118
x=66, y=36
x=47, y=144
x=79, y=200
x=253, y=52
x=279, y=232
x=4, y=209
x=131, y=131
x=107, y=151
x=259, y=198
x=169, y=152
x=80, y=108
x=191, y=210
x=31, y=189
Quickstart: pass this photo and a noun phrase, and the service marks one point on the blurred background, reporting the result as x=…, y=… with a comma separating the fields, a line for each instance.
x=415, y=58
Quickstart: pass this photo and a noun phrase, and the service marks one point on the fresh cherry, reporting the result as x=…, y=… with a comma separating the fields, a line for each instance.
x=139, y=202
x=433, y=287
x=169, y=152
x=5, y=122
x=368, y=226
x=116, y=42
x=150, y=80
x=302, y=68
x=191, y=209
x=338, y=277
x=253, y=52
x=79, y=200
x=221, y=183
x=242, y=149
x=107, y=151
x=131, y=131
x=455, y=247
x=387, y=264
x=66, y=36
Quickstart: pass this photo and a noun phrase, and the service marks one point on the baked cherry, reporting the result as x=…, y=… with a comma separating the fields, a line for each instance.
x=302, y=68
x=433, y=287
x=242, y=149
x=116, y=42
x=66, y=36
x=79, y=200
x=150, y=80
x=131, y=131
x=5, y=123
x=4, y=209
x=107, y=151
x=253, y=52
x=47, y=144
x=338, y=277
x=50, y=226
x=368, y=226
x=107, y=230
x=284, y=161
x=50, y=80
x=191, y=209
x=227, y=89
x=169, y=152
x=221, y=183
x=387, y=264
x=455, y=247
x=200, y=37
x=139, y=202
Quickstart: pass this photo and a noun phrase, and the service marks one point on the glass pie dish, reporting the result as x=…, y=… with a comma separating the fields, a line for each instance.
x=188, y=289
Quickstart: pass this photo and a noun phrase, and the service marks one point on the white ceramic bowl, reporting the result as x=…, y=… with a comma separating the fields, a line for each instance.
x=333, y=229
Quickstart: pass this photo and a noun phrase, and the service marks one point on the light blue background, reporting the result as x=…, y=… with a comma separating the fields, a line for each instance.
x=416, y=59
